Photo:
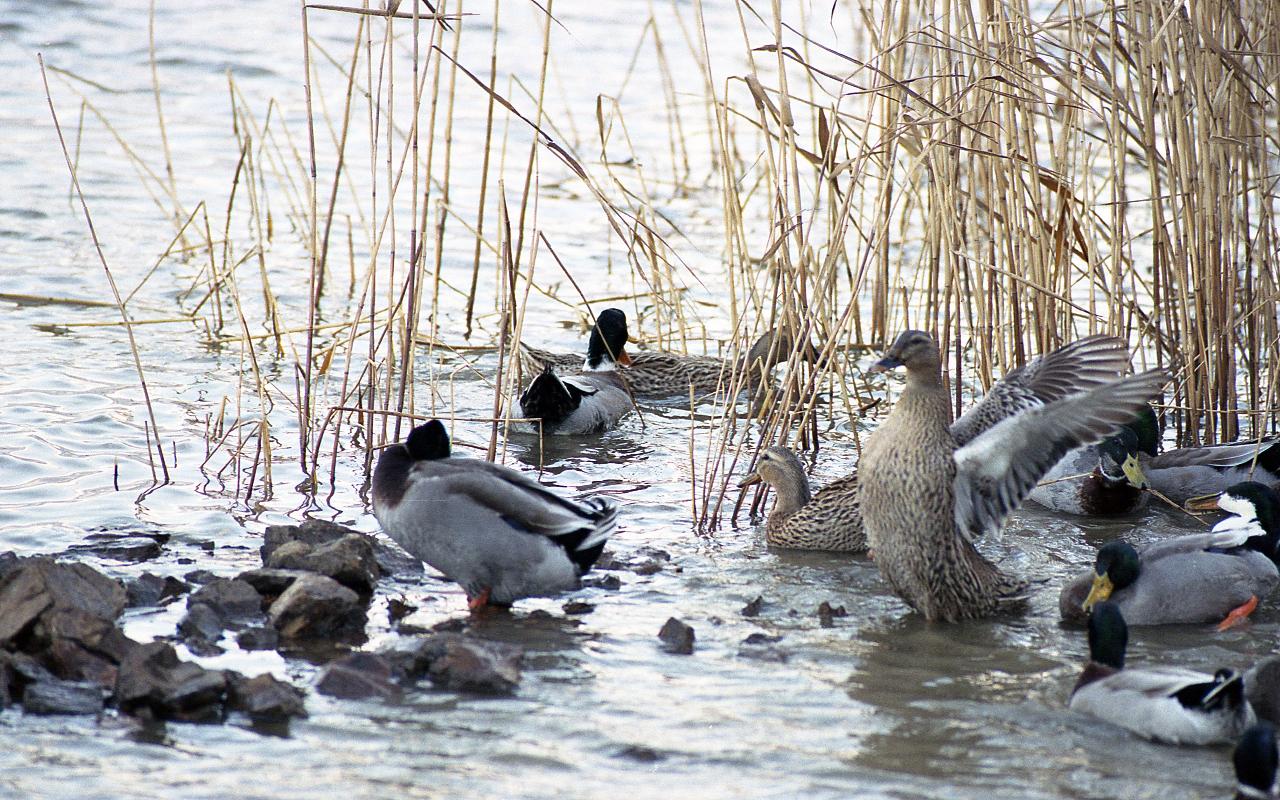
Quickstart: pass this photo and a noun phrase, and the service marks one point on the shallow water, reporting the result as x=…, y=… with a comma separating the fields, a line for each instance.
x=880, y=705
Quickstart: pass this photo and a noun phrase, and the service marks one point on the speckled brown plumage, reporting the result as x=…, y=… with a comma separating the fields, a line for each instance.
x=828, y=520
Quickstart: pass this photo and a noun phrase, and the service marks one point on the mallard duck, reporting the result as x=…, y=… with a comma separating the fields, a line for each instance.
x=1256, y=759
x=591, y=401
x=923, y=495
x=655, y=374
x=829, y=520
x=1208, y=577
x=498, y=533
x=1109, y=478
x=1166, y=704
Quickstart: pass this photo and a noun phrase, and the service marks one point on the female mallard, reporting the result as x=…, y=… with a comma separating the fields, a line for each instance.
x=1208, y=577
x=1166, y=704
x=924, y=495
x=499, y=534
x=657, y=374
x=830, y=520
x=593, y=400
x=1256, y=759
x=1109, y=478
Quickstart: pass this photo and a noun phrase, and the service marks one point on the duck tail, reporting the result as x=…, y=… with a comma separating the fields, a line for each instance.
x=584, y=545
x=550, y=399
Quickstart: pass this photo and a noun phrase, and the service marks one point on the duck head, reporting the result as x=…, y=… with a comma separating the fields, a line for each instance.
x=1255, y=504
x=1115, y=568
x=915, y=350
x=781, y=469
x=428, y=442
x=1118, y=460
x=1108, y=635
x=1255, y=760
x=608, y=338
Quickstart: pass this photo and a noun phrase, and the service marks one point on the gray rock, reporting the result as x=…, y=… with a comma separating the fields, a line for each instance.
x=358, y=675
x=230, y=598
x=611, y=583
x=154, y=682
x=40, y=584
x=460, y=663
x=265, y=699
x=62, y=697
x=258, y=638
x=201, y=622
x=318, y=607
x=149, y=589
x=201, y=576
x=348, y=560
x=317, y=533
x=677, y=637
x=119, y=548
x=827, y=614
x=270, y=582
x=752, y=609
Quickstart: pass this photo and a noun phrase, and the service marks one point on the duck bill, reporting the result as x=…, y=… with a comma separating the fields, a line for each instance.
x=1207, y=502
x=884, y=365
x=1101, y=590
x=750, y=480
x=1133, y=471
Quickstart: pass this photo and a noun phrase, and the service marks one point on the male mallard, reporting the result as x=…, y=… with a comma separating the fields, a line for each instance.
x=1255, y=759
x=923, y=495
x=831, y=520
x=656, y=374
x=499, y=534
x=1207, y=577
x=593, y=400
x=1113, y=473
x=1166, y=704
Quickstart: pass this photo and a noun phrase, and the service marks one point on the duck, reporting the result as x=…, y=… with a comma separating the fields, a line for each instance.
x=831, y=520
x=493, y=530
x=828, y=520
x=1164, y=704
x=656, y=374
x=1255, y=760
x=1110, y=478
x=591, y=401
x=924, y=496
x=1217, y=576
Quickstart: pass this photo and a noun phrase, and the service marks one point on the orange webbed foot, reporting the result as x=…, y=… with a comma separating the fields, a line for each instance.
x=1239, y=614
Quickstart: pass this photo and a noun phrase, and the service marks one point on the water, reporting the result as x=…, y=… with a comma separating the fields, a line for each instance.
x=879, y=706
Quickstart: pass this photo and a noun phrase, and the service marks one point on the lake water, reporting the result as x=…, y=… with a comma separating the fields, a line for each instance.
x=880, y=705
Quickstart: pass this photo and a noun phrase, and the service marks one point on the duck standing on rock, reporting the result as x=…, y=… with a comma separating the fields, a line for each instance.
x=498, y=533
x=594, y=400
x=924, y=496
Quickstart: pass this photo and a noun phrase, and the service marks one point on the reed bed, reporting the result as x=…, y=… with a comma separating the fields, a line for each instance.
x=1009, y=176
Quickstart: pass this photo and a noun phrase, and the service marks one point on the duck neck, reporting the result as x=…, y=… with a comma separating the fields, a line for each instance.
x=925, y=395
x=793, y=494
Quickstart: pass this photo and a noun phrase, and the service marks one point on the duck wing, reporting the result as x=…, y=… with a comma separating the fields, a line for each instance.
x=1081, y=365
x=999, y=468
x=1217, y=456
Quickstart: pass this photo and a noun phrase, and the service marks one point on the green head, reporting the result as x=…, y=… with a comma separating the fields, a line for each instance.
x=428, y=441
x=1251, y=500
x=1115, y=568
x=1108, y=635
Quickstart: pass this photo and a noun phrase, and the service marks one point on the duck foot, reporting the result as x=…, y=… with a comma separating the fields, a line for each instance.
x=1239, y=614
x=480, y=601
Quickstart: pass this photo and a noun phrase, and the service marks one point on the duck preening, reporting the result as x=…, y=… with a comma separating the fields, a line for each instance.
x=591, y=401
x=1209, y=577
x=925, y=495
x=1165, y=704
x=498, y=533
x=828, y=520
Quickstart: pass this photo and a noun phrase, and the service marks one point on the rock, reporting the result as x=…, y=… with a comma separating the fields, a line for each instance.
x=207, y=545
x=200, y=576
x=41, y=584
x=62, y=697
x=118, y=548
x=314, y=532
x=270, y=582
x=752, y=609
x=394, y=561
x=155, y=682
x=638, y=752
x=230, y=598
x=78, y=646
x=761, y=638
x=9, y=561
x=767, y=652
x=348, y=560
x=398, y=609
x=201, y=622
x=149, y=589
x=827, y=613
x=677, y=637
x=610, y=582
x=318, y=607
x=358, y=675
x=461, y=663
x=265, y=699
x=644, y=561
x=258, y=638
x=577, y=607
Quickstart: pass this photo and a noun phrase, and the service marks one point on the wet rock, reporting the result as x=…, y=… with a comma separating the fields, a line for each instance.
x=461, y=663
x=398, y=609
x=270, y=582
x=149, y=589
x=201, y=622
x=9, y=561
x=62, y=697
x=752, y=609
x=640, y=753
x=318, y=607
x=644, y=561
x=761, y=638
x=611, y=583
x=394, y=561
x=258, y=638
x=265, y=699
x=359, y=675
x=78, y=646
x=201, y=576
x=827, y=613
x=768, y=652
x=348, y=560
x=677, y=637
x=207, y=545
x=578, y=607
x=231, y=598
x=314, y=532
x=40, y=584
x=154, y=682
x=118, y=548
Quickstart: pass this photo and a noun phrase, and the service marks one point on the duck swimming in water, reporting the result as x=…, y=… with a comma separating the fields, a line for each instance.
x=595, y=399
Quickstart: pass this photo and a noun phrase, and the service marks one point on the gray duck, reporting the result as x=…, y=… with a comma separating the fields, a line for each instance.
x=498, y=533
x=594, y=399
x=1207, y=577
x=924, y=495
